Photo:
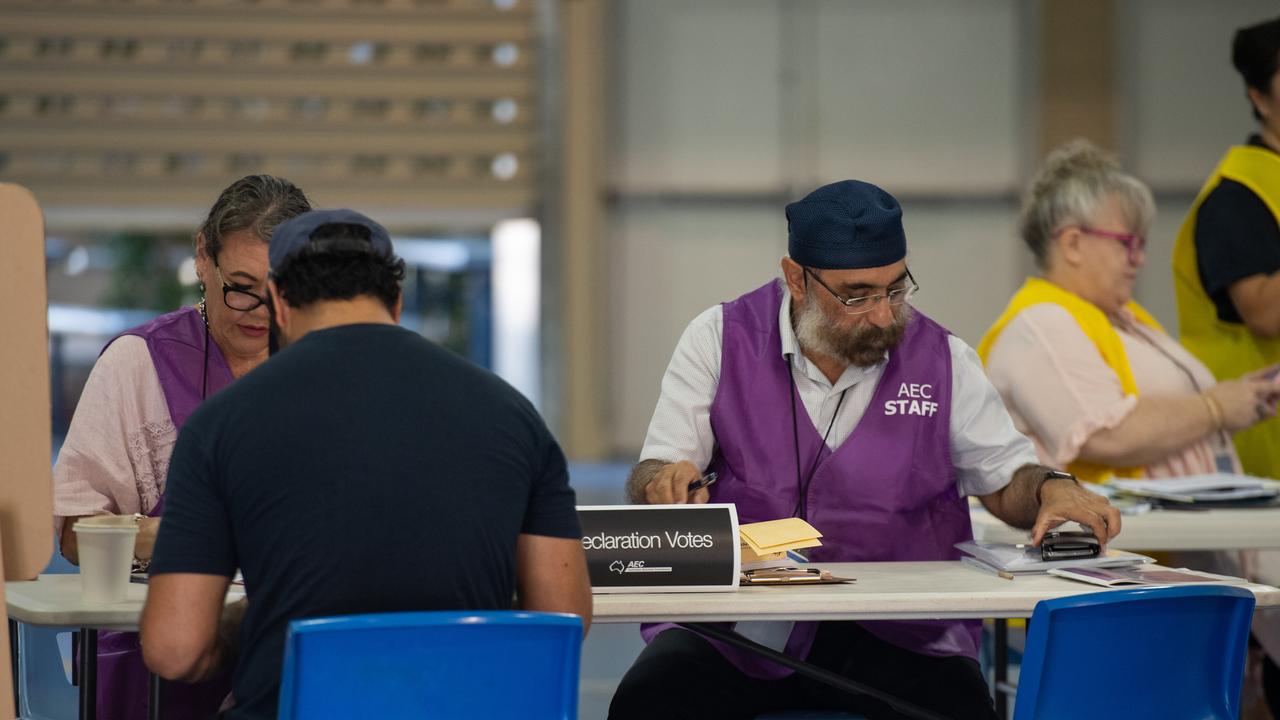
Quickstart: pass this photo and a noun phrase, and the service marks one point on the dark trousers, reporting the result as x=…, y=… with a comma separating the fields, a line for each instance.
x=681, y=675
x=1271, y=684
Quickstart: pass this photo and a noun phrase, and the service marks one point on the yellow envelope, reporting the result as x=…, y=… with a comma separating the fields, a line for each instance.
x=778, y=532
x=815, y=542
x=751, y=556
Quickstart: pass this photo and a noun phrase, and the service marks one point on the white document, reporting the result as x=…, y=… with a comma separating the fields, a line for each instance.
x=1022, y=558
x=1202, y=488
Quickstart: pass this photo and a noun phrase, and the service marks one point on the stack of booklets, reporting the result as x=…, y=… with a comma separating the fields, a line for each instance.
x=1217, y=487
x=765, y=544
x=1025, y=559
x=1127, y=576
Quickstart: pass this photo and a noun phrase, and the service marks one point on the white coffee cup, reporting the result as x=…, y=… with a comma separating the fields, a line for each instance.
x=105, y=543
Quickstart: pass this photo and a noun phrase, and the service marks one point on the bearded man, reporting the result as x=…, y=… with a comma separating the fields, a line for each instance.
x=825, y=396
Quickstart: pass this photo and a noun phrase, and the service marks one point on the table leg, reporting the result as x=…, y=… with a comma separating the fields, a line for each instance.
x=155, y=696
x=814, y=672
x=1001, y=662
x=15, y=659
x=88, y=674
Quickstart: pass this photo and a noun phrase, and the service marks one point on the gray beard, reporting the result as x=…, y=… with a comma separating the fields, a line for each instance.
x=863, y=346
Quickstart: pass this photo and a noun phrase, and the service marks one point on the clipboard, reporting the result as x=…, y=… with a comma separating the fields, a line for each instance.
x=791, y=576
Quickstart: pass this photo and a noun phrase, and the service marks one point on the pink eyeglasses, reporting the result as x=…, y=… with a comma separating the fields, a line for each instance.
x=1134, y=243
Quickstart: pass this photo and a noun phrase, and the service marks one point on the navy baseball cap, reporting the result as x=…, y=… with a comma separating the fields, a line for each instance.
x=295, y=234
x=846, y=225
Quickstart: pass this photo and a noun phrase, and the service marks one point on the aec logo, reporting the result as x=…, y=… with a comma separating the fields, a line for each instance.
x=633, y=567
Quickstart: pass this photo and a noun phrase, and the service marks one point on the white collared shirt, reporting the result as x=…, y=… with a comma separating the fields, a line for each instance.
x=985, y=447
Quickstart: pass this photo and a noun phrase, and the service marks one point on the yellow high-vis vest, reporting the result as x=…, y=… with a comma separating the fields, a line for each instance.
x=1230, y=349
x=1098, y=329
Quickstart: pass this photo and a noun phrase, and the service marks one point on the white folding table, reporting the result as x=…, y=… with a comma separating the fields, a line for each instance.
x=55, y=601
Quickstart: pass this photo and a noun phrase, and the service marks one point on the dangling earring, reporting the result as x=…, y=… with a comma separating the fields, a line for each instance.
x=204, y=314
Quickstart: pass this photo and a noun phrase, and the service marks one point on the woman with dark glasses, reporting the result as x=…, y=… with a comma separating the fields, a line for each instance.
x=140, y=392
x=1085, y=371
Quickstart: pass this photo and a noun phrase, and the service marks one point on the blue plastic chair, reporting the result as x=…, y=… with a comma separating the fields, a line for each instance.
x=497, y=664
x=1162, y=652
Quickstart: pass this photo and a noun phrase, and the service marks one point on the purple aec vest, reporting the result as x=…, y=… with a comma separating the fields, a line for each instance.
x=176, y=342
x=888, y=493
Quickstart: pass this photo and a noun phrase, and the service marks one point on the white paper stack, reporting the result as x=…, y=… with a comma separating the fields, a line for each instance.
x=1215, y=487
x=1004, y=557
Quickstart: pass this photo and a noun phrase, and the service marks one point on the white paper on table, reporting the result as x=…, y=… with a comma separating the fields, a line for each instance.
x=1202, y=488
x=1026, y=558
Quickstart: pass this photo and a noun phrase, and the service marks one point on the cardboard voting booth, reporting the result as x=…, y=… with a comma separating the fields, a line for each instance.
x=26, y=496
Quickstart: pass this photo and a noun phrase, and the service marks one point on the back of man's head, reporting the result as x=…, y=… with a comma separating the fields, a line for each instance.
x=329, y=255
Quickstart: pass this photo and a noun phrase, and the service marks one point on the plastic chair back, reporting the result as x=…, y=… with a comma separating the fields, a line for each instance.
x=497, y=664
x=1143, y=652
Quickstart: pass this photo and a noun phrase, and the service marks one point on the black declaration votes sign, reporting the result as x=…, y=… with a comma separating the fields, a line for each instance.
x=661, y=548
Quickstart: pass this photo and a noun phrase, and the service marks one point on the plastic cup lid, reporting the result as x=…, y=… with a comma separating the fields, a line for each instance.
x=107, y=523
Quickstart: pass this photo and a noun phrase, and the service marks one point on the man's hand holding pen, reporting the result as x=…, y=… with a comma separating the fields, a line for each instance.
x=678, y=483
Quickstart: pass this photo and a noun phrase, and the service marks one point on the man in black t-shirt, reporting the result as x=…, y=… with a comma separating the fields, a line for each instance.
x=363, y=469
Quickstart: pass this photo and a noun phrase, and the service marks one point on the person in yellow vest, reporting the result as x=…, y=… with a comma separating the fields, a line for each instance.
x=1226, y=261
x=1226, y=275
x=1085, y=371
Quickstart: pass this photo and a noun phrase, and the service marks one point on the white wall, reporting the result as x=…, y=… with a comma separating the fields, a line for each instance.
x=1181, y=105
x=667, y=266
x=722, y=110
x=1182, y=101
x=695, y=95
x=917, y=95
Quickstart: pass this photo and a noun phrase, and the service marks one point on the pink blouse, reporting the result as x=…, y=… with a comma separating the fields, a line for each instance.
x=116, y=454
x=1060, y=391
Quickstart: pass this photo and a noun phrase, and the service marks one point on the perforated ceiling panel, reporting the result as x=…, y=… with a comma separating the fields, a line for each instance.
x=407, y=104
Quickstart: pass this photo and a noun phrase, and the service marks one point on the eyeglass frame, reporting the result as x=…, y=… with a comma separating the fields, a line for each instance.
x=228, y=288
x=872, y=301
x=1134, y=243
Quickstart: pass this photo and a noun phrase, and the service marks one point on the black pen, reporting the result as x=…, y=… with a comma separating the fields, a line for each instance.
x=704, y=481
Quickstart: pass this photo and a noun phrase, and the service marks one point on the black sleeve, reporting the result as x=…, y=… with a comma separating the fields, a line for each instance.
x=1236, y=237
x=551, y=509
x=195, y=532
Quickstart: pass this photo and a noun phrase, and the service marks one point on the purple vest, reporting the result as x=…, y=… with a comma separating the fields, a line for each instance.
x=888, y=493
x=176, y=342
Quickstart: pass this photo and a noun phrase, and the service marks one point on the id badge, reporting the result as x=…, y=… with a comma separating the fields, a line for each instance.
x=1222, y=461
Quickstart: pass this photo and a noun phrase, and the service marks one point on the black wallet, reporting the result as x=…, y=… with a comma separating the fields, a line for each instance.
x=1068, y=545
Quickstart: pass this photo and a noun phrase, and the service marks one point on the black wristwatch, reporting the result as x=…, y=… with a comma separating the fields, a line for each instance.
x=1053, y=475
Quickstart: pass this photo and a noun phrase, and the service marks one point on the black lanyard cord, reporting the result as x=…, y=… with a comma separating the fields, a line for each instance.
x=803, y=481
x=204, y=374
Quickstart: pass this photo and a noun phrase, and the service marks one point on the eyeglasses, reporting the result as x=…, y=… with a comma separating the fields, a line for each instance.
x=1134, y=243
x=236, y=297
x=867, y=303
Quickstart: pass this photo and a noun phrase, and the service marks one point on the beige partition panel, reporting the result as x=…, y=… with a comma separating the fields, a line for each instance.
x=26, y=499
x=7, y=710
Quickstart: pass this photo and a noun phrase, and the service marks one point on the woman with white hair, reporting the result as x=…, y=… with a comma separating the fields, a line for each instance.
x=1088, y=374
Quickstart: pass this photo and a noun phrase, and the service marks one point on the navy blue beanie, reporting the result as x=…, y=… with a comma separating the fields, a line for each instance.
x=295, y=234
x=846, y=225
